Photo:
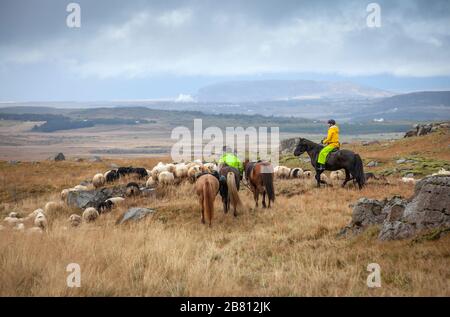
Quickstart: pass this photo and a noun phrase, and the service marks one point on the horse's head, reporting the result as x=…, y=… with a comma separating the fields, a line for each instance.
x=302, y=147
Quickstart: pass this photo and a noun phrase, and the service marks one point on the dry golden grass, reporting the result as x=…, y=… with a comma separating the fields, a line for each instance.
x=289, y=250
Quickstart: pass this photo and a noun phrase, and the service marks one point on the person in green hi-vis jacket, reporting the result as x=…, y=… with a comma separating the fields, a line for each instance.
x=229, y=158
x=331, y=142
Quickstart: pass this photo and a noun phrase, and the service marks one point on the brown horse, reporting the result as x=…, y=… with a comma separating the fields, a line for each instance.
x=207, y=187
x=259, y=175
x=233, y=178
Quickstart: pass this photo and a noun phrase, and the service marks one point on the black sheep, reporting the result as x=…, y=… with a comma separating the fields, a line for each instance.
x=105, y=206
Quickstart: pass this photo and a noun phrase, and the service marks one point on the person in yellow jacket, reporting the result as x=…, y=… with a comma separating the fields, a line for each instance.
x=331, y=142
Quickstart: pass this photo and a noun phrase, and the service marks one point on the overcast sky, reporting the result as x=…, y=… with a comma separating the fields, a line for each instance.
x=156, y=49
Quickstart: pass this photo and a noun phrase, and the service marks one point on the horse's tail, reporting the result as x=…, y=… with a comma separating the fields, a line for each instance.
x=358, y=171
x=267, y=179
x=208, y=201
x=232, y=190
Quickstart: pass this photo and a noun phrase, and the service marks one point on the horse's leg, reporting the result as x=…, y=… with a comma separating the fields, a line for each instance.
x=318, y=178
x=347, y=177
x=256, y=196
x=203, y=211
x=264, y=199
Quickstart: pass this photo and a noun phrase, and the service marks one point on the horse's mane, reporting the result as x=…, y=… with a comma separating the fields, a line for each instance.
x=309, y=142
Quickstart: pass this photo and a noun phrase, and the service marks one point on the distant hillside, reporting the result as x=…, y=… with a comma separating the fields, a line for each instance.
x=419, y=106
x=267, y=90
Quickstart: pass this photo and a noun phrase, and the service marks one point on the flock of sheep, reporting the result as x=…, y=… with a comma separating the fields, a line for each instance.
x=162, y=174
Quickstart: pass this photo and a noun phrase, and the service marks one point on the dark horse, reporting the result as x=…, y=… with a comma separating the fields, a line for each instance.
x=336, y=160
x=232, y=179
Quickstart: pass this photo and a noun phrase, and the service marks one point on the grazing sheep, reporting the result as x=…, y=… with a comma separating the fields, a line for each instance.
x=282, y=172
x=64, y=194
x=307, y=174
x=323, y=177
x=90, y=214
x=52, y=209
x=181, y=170
x=151, y=183
x=132, y=189
x=337, y=175
x=166, y=178
x=40, y=221
x=80, y=188
x=442, y=171
x=408, y=180
x=13, y=214
x=116, y=200
x=171, y=168
x=98, y=180
x=140, y=171
x=11, y=221
x=296, y=173
x=111, y=176
x=75, y=220
x=193, y=170
x=19, y=227
x=159, y=168
x=210, y=167
x=105, y=206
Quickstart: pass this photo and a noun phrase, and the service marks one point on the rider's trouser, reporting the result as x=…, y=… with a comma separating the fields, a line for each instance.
x=324, y=153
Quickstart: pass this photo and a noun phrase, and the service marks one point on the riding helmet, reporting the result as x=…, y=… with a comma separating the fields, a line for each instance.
x=331, y=121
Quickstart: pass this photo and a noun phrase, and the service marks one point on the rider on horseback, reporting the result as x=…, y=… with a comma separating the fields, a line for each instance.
x=229, y=158
x=331, y=142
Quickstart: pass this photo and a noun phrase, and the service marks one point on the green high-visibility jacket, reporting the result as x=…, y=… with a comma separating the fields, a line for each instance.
x=233, y=161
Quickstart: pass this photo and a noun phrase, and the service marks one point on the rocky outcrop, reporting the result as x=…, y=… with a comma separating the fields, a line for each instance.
x=428, y=208
x=287, y=146
x=424, y=129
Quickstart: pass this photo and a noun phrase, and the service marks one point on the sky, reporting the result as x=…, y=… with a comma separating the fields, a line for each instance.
x=136, y=50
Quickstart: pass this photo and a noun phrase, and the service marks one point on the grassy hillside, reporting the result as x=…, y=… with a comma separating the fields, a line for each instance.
x=291, y=249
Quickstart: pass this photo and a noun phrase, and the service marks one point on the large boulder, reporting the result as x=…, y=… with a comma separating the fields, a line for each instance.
x=287, y=146
x=91, y=198
x=428, y=208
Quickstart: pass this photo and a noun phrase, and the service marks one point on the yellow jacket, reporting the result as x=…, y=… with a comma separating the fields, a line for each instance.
x=333, y=136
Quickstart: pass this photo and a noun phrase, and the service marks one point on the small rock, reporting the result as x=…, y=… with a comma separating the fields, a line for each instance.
x=135, y=214
x=372, y=164
x=59, y=157
x=400, y=161
x=409, y=175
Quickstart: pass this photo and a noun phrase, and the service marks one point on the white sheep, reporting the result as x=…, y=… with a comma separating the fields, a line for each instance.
x=181, y=170
x=151, y=183
x=64, y=194
x=193, y=170
x=11, y=221
x=408, y=180
x=13, y=214
x=19, y=227
x=442, y=171
x=296, y=172
x=52, y=208
x=75, y=220
x=282, y=171
x=116, y=200
x=337, y=175
x=98, y=180
x=307, y=174
x=210, y=167
x=80, y=188
x=90, y=214
x=40, y=221
x=166, y=178
x=323, y=177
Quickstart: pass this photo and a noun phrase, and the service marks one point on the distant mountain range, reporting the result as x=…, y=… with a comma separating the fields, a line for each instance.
x=426, y=105
x=279, y=90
